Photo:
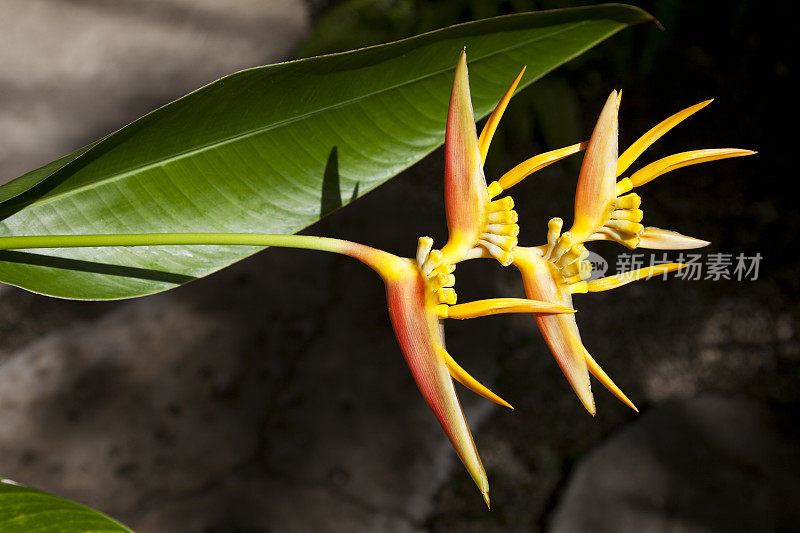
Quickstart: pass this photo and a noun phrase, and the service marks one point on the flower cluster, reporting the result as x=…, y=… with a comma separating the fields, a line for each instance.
x=421, y=293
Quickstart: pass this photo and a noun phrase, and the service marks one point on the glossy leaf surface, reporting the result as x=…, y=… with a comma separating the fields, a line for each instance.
x=25, y=510
x=269, y=150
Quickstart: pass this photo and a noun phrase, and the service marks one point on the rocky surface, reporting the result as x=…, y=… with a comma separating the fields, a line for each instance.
x=706, y=464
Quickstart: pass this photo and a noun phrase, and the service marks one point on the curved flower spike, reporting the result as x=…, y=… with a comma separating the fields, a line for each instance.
x=594, y=197
x=603, y=209
x=544, y=280
x=466, y=197
x=412, y=309
x=472, y=219
x=419, y=293
x=413, y=291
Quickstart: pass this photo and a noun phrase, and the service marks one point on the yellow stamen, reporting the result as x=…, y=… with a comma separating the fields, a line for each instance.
x=631, y=215
x=503, y=241
x=655, y=133
x=618, y=280
x=511, y=230
x=629, y=201
x=570, y=269
x=563, y=244
x=674, y=162
x=494, y=189
x=424, y=246
x=504, y=257
x=537, y=162
x=496, y=306
x=554, y=226
x=444, y=268
x=461, y=375
x=494, y=119
x=603, y=378
x=445, y=280
x=625, y=226
x=433, y=261
x=446, y=296
x=624, y=185
x=576, y=253
x=503, y=217
x=503, y=204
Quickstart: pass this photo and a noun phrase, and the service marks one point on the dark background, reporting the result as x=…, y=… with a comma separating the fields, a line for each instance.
x=271, y=396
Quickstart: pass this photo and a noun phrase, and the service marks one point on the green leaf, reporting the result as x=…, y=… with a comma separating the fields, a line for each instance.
x=23, y=509
x=270, y=150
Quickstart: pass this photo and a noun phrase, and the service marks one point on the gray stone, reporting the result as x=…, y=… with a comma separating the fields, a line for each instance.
x=705, y=464
x=75, y=70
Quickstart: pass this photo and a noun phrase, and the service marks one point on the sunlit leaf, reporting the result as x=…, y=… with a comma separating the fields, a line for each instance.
x=269, y=150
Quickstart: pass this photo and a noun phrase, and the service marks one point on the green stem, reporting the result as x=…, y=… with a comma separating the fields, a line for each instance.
x=370, y=256
x=166, y=239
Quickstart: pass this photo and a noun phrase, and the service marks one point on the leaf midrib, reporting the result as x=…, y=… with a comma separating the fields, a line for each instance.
x=257, y=131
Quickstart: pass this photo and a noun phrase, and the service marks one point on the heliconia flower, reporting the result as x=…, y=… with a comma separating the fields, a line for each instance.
x=466, y=198
x=594, y=197
x=420, y=294
x=603, y=208
x=473, y=219
x=603, y=211
x=420, y=291
x=553, y=282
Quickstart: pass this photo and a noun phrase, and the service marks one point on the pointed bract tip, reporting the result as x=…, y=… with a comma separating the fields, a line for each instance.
x=587, y=400
x=486, y=499
x=596, y=188
x=606, y=381
x=463, y=377
x=661, y=239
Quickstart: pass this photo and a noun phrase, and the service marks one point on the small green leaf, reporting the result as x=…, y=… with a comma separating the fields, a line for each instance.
x=270, y=150
x=24, y=510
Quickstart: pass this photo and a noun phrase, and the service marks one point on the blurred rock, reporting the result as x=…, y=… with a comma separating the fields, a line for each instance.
x=706, y=464
x=75, y=70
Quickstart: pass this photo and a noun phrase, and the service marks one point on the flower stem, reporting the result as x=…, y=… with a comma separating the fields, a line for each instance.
x=165, y=239
x=370, y=256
